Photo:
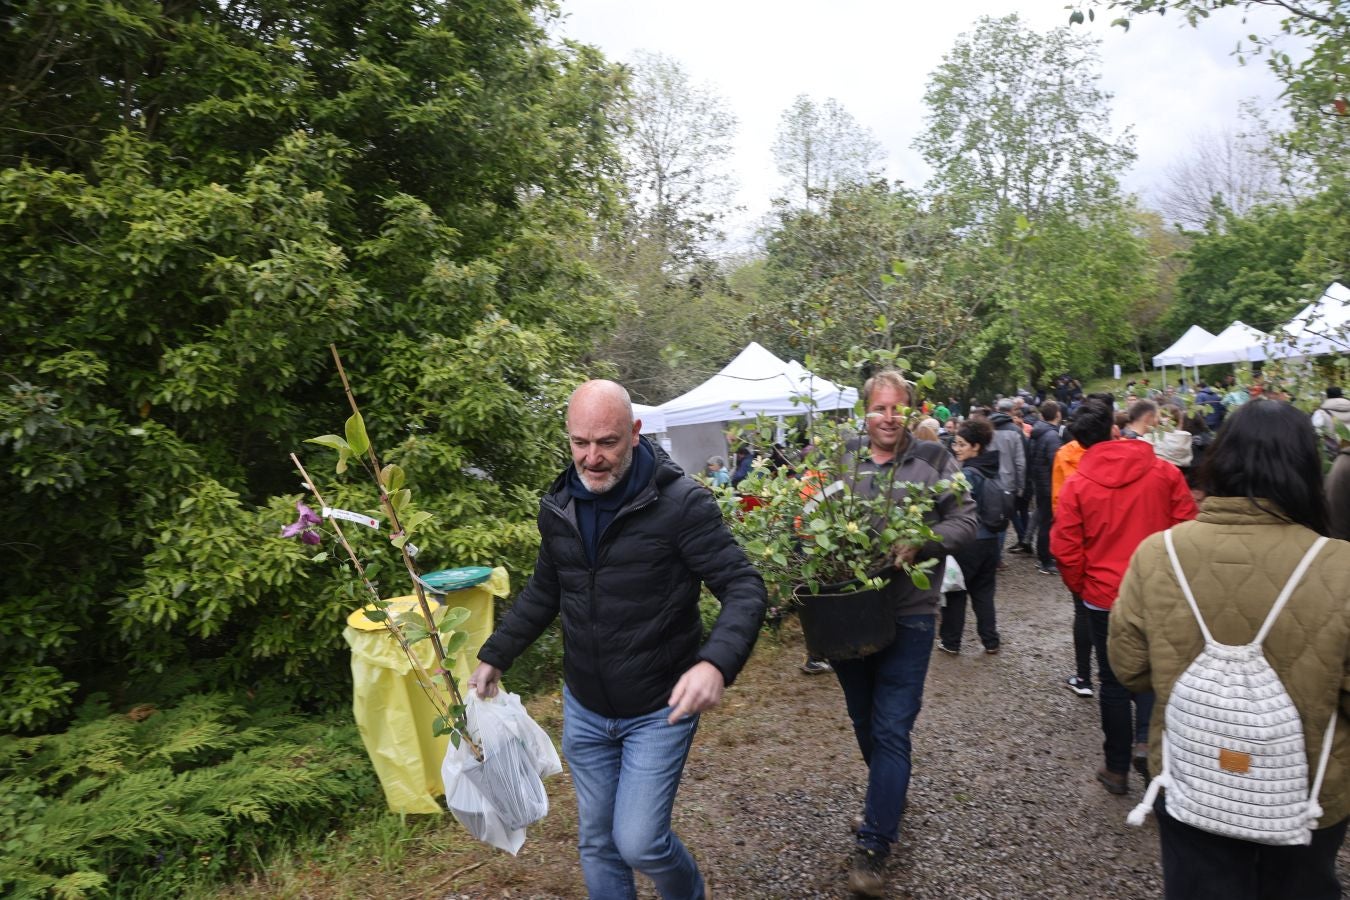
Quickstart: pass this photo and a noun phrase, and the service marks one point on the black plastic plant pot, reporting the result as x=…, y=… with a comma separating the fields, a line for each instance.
x=846, y=625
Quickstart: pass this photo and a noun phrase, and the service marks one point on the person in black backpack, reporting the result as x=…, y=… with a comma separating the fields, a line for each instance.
x=979, y=560
x=1044, y=443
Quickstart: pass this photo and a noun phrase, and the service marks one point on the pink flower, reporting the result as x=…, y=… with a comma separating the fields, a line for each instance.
x=304, y=526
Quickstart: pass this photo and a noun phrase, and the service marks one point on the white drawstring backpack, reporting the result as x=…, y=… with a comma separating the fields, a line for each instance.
x=1234, y=760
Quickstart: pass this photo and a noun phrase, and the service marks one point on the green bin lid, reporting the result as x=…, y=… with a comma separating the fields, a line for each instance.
x=457, y=579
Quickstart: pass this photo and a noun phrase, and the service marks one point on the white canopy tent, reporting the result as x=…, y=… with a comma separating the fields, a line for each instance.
x=653, y=420
x=1182, y=351
x=755, y=383
x=1321, y=327
x=1238, y=342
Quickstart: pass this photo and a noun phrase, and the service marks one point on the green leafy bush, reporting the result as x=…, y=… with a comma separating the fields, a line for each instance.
x=148, y=802
x=190, y=212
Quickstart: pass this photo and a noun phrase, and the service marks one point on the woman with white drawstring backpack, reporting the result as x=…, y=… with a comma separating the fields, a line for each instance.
x=1240, y=622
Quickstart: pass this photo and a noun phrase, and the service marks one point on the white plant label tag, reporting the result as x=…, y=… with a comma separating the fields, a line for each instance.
x=412, y=550
x=348, y=516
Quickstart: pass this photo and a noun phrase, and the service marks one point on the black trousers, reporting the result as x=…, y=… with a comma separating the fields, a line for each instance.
x=1021, y=519
x=1082, y=640
x=1124, y=715
x=1198, y=865
x=1045, y=517
x=979, y=565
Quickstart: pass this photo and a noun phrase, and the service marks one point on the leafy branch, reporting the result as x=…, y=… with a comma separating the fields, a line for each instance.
x=413, y=626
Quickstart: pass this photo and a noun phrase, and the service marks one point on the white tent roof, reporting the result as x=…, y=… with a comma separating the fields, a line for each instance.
x=755, y=383
x=1236, y=343
x=1179, y=353
x=1320, y=327
x=653, y=420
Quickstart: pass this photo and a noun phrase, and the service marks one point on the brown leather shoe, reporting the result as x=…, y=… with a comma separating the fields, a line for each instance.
x=1115, y=782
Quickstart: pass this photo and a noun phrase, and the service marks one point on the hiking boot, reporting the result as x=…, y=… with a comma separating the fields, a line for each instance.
x=1140, y=760
x=1114, y=782
x=867, y=877
x=816, y=666
x=1079, y=686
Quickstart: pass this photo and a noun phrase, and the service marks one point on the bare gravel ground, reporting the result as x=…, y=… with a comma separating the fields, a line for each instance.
x=1003, y=802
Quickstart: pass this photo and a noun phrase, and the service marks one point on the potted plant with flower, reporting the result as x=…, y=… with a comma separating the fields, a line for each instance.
x=824, y=533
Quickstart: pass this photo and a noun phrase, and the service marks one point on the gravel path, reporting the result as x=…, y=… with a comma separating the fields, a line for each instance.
x=1002, y=804
x=1003, y=801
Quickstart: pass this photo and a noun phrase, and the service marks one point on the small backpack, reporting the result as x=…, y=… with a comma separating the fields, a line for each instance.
x=1234, y=760
x=994, y=506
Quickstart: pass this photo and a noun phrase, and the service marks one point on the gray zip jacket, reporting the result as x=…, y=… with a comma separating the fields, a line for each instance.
x=925, y=463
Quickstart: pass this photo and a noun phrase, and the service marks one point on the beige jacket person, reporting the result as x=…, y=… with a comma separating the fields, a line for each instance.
x=1237, y=558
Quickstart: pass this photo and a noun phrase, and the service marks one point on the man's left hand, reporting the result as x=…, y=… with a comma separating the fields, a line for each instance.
x=698, y=689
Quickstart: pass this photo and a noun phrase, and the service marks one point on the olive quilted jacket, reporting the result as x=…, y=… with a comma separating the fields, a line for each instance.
x=1237, y=558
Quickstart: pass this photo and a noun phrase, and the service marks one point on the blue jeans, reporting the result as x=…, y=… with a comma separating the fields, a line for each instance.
x=884, y=693
x=626, y=773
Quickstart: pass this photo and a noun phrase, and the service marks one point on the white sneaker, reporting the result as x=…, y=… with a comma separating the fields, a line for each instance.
x=1078, y=686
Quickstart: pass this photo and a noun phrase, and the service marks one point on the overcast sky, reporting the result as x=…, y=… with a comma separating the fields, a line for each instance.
x=1172, y=84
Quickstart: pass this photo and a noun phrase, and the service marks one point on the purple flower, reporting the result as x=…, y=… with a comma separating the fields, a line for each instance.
x=304, y=526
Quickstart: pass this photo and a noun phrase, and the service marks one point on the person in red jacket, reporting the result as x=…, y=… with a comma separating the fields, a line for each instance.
x=1121, y=494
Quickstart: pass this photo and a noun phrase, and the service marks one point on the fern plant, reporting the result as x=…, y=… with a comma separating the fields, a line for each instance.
x=147, y=802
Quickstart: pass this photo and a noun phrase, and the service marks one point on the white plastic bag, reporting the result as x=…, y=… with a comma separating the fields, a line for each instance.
x=496, y=798
x=953, y=579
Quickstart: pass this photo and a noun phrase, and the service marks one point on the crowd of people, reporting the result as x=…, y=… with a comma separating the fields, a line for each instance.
x=1173, y=549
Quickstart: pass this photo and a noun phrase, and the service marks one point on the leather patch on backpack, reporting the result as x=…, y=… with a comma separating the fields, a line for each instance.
x=1235, y=761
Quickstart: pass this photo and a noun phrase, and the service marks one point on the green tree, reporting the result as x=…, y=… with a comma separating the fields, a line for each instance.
x=1018, y=123
x=1245, y=267
x=677, y=142
x=197, y=198
x=875, y=267
x=1318, y=101
x=679, y=322
x=1315, y=85
x=1018, y=137
x=820, y=148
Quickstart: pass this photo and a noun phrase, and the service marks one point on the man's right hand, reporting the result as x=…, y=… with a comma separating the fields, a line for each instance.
x=485, y=681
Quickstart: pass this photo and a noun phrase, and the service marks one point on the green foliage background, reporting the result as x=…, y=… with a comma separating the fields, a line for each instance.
x=197, y=198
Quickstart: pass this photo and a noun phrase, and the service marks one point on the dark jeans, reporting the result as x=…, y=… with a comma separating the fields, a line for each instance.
x=1045, y=516
x=1198, y=865
x=979, y=565
x=1022, y=516
x=1120, y=709
x=884, y=693
x=1082, y=640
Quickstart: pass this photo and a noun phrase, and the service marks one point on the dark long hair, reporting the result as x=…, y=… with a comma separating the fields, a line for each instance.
x=1267, y=450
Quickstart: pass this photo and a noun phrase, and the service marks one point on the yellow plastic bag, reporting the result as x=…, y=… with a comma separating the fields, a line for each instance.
x=392, y=713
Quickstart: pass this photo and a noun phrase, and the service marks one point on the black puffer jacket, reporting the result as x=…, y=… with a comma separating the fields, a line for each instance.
x=630, y=624
x=1041, y=449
